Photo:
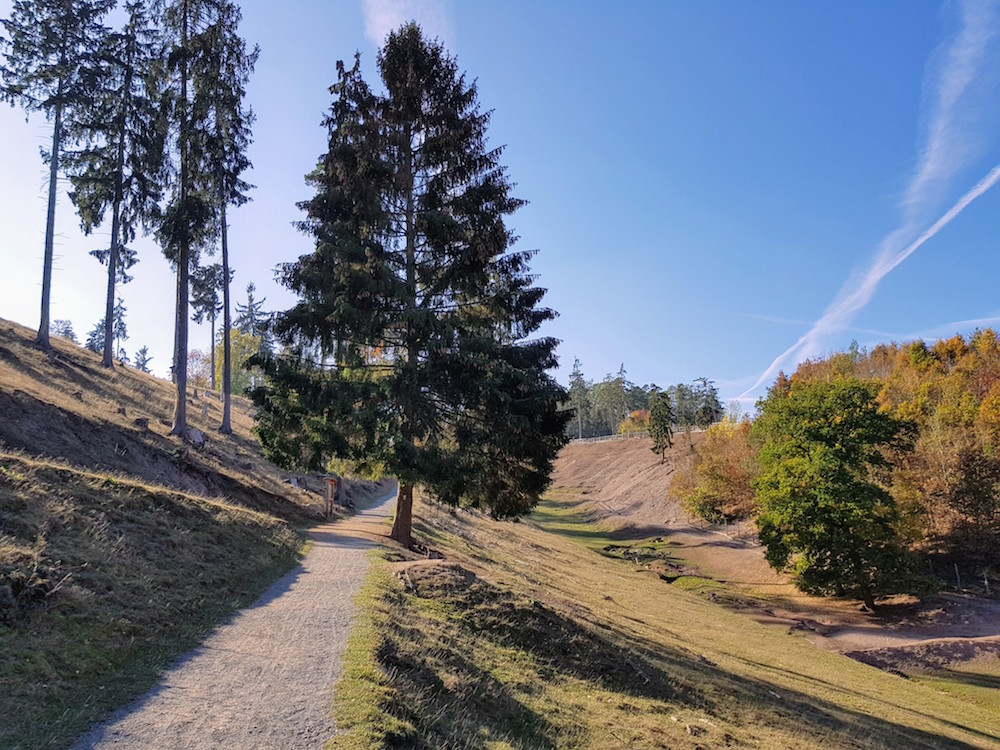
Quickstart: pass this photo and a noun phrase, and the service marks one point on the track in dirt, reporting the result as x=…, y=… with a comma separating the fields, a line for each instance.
x=265, y=680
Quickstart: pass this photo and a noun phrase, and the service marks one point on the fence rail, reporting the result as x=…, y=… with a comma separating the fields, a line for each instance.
x=616, y=436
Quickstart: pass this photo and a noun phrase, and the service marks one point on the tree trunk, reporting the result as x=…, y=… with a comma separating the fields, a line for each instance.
x=183, y=255
x=225, y=428
x=211, y=323
x=108, y=360
x=50, y=225
x=402, y=524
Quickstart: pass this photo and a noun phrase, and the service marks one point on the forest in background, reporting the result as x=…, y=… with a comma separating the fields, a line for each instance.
x=617, y=405
x=938, y=462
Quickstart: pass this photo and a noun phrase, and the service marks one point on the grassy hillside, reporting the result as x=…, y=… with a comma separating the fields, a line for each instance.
x=525, y=636
x=120, y=546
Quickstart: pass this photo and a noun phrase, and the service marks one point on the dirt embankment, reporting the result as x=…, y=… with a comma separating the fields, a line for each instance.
x=624, y=486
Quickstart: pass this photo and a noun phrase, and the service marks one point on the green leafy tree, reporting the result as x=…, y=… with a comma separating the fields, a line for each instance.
x=243, y=348
x=142, y=359
x=119, y=163
x=825, y=510
x=415, y=290
x=50, y=64
x=661, y=422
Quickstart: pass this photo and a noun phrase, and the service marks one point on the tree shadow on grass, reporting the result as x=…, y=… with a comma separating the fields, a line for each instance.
x=560, y=647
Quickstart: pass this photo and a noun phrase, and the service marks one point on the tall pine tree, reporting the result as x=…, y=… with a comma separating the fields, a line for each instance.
x=193, y=31
x=417, y=292
x=51, y=65
x=120, y=161
x=230, y=64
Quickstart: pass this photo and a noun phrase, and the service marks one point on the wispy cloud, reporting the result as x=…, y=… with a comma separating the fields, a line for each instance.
x=949, y=146
x=383, y=16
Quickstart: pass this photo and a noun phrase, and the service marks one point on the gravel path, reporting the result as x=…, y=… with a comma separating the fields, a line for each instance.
x=265, y=679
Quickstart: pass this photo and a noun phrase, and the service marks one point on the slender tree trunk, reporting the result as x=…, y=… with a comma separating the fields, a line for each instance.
x=113, y=256
x=183, y=255
x=109, y=306
x=50, y=225
x=227, y=361
x=211, y=322
x=402, y=524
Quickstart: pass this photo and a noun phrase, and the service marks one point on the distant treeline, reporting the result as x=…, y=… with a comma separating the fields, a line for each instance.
x=616, y=404
x=889, y=456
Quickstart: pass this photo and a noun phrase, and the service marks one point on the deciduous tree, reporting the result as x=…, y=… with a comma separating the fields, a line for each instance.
x=825, y=510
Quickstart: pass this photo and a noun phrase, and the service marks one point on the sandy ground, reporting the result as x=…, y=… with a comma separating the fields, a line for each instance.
x=264, y=680
x=623, y=485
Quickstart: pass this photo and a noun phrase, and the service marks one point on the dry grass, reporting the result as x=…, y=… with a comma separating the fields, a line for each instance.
x=120, y=546
x=107, y=580
x=70, y=407
x=526, y=638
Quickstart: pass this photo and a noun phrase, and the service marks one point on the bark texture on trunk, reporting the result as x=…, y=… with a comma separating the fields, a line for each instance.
x=183, y=256
x=227, y=363
x=50, y=227
x=402, y=524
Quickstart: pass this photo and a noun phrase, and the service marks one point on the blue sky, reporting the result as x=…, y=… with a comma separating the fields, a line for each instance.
x=717, y=189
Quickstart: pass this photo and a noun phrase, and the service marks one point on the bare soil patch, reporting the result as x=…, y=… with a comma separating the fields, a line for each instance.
x=624, y=486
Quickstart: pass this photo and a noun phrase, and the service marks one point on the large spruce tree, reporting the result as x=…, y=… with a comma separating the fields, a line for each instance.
x=416, y=292
x=118, y=165
x=51, y=64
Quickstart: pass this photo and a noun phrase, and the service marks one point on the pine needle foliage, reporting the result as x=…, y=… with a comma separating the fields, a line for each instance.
x=422, y=310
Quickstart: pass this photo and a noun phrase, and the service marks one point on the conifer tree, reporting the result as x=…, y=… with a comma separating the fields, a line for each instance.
x=579, y=397
x=661, y=421
x=193, y=31
x=142, y=359
x=206, y=300
x=252, y=320
x=416, y=291
x=50, y=65
x=229, y=67
x=119, y=163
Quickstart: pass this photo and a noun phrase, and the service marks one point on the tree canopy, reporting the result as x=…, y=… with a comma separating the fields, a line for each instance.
x=417, y=294
x=825, y=509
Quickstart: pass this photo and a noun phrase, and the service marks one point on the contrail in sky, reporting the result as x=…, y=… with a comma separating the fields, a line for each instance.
x=948, y=147
x=846, y=306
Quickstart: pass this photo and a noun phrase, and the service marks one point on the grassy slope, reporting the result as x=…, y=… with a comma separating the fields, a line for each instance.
x=119, y=547
x=527, y=637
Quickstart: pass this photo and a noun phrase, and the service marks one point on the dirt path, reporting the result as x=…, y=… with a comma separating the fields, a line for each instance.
x=265, y=679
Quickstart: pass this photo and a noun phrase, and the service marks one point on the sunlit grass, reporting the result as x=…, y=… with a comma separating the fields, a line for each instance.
x=526, y=637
